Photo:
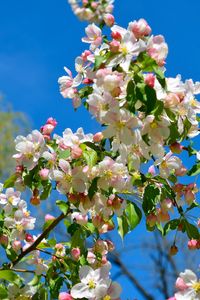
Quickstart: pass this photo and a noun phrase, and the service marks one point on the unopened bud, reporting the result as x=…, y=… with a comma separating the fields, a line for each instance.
x=173, y=250
x=109, y=19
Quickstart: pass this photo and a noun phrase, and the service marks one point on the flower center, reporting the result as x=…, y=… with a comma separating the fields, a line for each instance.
x=154, y=125
x=108, y=174
x=164, y=165
x=91, y=284
x=124, y=49
x=107, y=297
x=196, y=287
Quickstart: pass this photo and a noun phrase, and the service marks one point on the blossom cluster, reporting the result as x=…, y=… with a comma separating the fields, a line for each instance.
x=146, y=120
x=188, y=286
x=97, y=11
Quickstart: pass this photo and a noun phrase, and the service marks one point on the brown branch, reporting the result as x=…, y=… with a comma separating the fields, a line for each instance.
x=25, y=271
x=38, y=240
x=116, y=260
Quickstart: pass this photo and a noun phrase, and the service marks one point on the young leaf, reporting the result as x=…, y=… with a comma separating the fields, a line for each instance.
x=10, y=276
x=10, y=182
x=123, y=227
x=63, y=206
x=150, y=198
x=192, y=231
x=134, y=215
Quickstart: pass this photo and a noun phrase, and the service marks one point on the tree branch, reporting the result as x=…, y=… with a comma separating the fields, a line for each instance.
x=116, y=260
x=39, y=239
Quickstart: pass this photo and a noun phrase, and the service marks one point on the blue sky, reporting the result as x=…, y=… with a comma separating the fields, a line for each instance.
x=38, y=38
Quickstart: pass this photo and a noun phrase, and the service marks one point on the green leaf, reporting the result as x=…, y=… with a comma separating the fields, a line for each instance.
x=195, y=170
x=98, y=61
x=78, y=239
x=192, y=231
x=146, y=63
x=41, y=294
x=123, y=226
x=64, y=154
x=90, y=156
x=11, y=254
x=134, y=215
x=174, y=133
x=85, y=91
x=131, y=96
x=3, y=292
x=10, y=276
x=151, y=99
x=10, y=182
x=150, y=198
x=171, y=225
x=191, y=151
x=158, y=109
x=46, y=191
x=93, y=188
x=63, y=206
x=160, y=76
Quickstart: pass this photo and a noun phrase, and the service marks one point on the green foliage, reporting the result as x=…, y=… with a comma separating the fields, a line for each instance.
x=129, y=220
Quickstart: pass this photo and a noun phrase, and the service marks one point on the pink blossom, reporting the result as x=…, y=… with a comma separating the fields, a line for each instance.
x=75, y=252
x=150, y=80
x=109, y=19
x=65, y=296
x=44, y=173
x=192, y=244
x=140, y=28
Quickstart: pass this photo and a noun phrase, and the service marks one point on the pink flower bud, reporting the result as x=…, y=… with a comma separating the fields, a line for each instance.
x=150, y=80
x=49, y=217
x=85, y=2
x=104, y=260
x=91, y=257
x=16, y=245
x=152, y=170
x=65, y=296
x=171, y=298
x=59, y=247
x=189, y=197
x=192, y=244
x=140, y=28
x=79, y=218
x=109, y=19
x=114, y=46
x=151, y=220
x=116, y=36
x=52, y=121
x=173, y=250
x=44, y=173
x=110, y=245
x=29, y=238
x=19, y=169
x=98, y=137
x=94, y=4
x=3, y=240
x=47, y=129
x=180, y=284
x=163, y=216
x=76, y=152
x=75, y=252
x=87, y=81
x=181, y=171
x=85, y=54
x=176, y=148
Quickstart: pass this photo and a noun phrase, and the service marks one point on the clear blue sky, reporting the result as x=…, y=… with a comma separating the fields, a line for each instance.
x=38, y=38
